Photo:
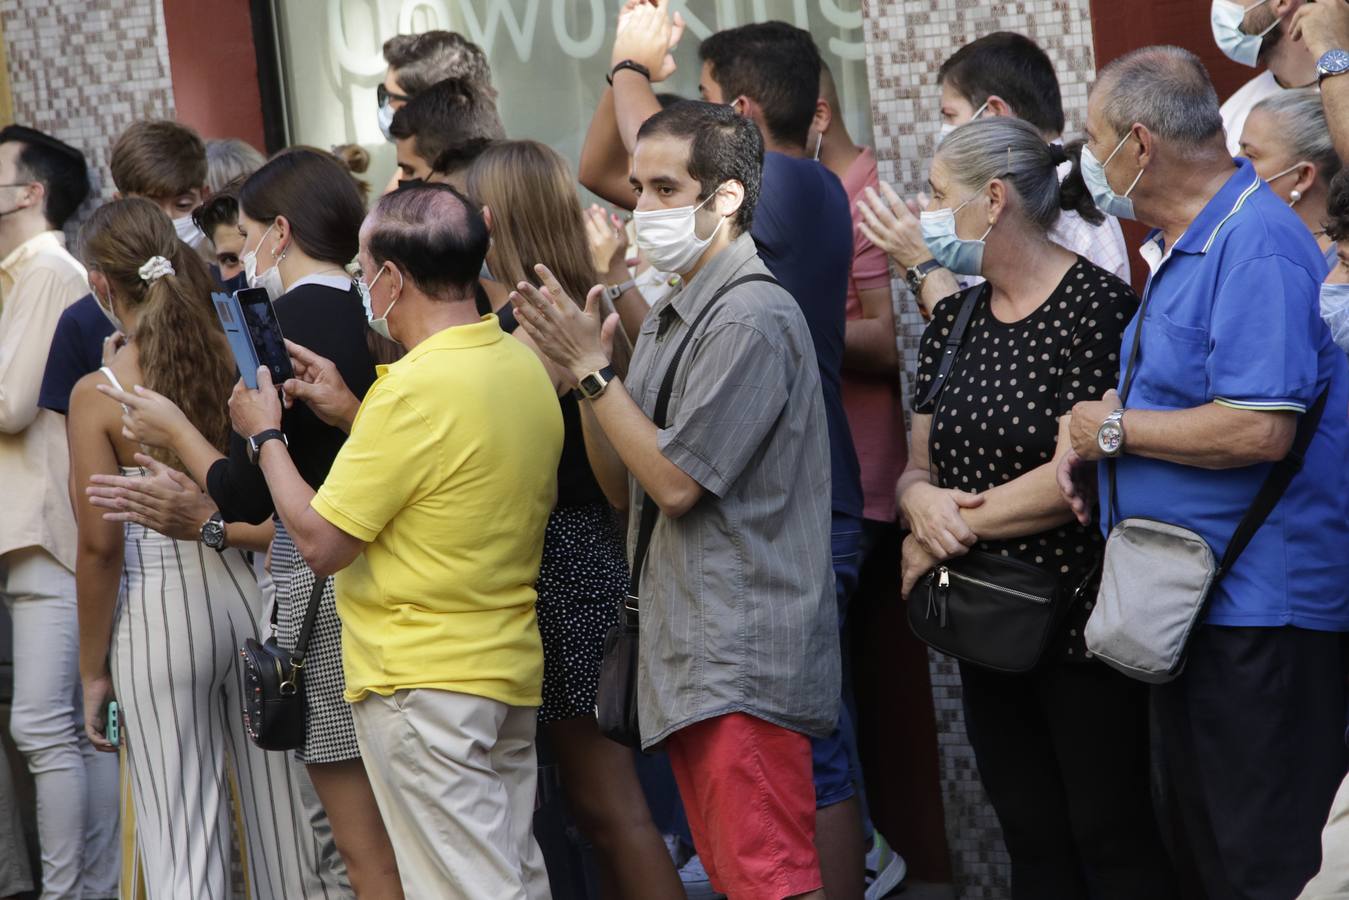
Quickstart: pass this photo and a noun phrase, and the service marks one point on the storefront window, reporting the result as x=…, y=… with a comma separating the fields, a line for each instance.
x=548, y=58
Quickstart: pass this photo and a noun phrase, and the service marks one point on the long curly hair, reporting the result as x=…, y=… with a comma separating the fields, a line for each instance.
x=183, y=351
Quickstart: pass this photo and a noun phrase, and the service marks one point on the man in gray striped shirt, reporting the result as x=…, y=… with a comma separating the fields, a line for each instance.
x=739, y=659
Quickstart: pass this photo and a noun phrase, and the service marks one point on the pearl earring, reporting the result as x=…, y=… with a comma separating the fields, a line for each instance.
x=1294, y=197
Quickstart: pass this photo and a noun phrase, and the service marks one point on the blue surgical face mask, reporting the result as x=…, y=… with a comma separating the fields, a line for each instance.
x=1335, y=312
x=1226, y=17
x=379, y=326
x=1093, y=173
x=954, y=253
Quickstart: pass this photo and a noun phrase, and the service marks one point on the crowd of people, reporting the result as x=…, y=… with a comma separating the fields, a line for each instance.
x=517, y=426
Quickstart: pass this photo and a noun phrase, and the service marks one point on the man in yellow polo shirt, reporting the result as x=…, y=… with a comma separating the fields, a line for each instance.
x=433, y=515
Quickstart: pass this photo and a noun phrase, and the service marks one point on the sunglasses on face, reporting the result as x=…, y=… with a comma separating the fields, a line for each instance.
x=384, y=95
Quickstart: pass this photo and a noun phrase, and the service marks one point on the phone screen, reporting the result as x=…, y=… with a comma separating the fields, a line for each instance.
x=264, y=332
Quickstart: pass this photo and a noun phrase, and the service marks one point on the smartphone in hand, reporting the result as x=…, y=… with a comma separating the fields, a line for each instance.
x=254, y=335
x=113, y=730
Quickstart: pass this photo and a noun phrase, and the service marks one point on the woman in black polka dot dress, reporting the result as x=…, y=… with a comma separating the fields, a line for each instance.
x=1062, y=750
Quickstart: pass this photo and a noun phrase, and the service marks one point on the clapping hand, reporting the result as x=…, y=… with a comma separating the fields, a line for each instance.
x=572, y=337
x=648, y=35
x=893, y=224
x=608, y=241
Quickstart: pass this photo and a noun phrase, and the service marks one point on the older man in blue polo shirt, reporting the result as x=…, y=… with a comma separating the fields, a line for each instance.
x=1232, y=352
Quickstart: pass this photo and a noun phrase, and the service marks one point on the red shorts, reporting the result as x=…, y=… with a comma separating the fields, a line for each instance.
x=750, y=802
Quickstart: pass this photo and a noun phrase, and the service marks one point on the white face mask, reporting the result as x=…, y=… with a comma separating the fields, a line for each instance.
x=107, y=311
x=1335, y=312
x=270, y=281
x=668, y=237
x=386, y=112
x=1093, y=175
x=188, y=232
x=379, y=326
x=1226, y=17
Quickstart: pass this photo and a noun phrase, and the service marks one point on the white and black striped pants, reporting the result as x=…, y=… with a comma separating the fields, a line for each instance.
x=183, y=613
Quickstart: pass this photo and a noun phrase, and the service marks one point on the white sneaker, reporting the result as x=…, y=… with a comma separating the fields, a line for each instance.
x=886, y=870
x=697, y=886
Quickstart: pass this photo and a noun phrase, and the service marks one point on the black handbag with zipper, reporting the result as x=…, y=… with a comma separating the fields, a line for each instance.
x=984, y=608
x=273, y=684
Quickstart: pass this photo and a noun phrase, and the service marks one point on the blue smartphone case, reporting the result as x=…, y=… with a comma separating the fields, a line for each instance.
x=231, y=317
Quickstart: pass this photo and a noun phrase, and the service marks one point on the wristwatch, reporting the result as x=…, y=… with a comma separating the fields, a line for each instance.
x=613, y=291
x=1332, y=62
x=594, y=384
x=213, y=532
x=628, y=64
x=916, y=275
x=256, y=441
x=1110, y=436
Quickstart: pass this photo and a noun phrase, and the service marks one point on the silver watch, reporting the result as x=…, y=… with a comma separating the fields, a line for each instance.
x=613, y=291
x=1110, y=436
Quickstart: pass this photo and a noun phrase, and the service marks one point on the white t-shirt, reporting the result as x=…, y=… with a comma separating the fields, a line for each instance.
x=1239, y=105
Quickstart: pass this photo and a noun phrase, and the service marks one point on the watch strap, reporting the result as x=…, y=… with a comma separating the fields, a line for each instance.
x=628, y=64
x=606, y=374
x=257, y=441
x=916, y=275
x=613, y=291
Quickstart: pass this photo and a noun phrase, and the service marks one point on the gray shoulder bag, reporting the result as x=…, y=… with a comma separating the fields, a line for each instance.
x=1157, y=578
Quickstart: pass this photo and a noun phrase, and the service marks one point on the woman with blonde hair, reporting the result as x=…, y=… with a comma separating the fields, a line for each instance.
x=530, y=204
x=161, y=620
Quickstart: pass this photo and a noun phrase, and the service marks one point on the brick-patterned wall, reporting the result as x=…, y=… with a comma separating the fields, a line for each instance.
x=84, y=71
x=906, y=42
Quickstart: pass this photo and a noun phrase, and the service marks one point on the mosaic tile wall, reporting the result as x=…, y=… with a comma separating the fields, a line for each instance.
x=906, y=42
x=84, y=71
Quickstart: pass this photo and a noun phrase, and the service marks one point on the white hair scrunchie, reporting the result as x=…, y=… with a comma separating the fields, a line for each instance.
x=155, y=268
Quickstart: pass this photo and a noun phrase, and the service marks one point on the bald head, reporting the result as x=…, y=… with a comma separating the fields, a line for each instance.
x=1166, y=90
x=433, y=235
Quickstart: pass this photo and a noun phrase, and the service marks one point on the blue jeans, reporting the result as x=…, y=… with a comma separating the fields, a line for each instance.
x=836, y=769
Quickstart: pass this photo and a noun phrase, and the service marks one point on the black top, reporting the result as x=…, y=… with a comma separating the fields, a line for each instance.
x=997, y=417
x=576, y=484
x=330, y=322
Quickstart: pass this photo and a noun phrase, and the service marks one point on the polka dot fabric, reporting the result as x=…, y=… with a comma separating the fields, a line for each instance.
x=997, y=418
x=582, y=582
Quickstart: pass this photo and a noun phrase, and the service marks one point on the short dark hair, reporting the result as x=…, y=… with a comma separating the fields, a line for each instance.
x=451, y=123
x=433, y=234
x=723, y=146
x=421, y=60
x=316, y=194
x=221, y=208
x=1013, y=67
x=774, y=64
x=158, y=158
x=57, y=166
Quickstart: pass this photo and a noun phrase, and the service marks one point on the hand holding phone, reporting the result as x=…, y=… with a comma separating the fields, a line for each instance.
x=113, y=731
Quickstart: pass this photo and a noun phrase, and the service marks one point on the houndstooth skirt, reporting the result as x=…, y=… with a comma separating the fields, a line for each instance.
x=329, y=733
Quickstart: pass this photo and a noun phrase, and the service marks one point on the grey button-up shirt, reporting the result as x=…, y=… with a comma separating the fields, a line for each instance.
x=738, y=612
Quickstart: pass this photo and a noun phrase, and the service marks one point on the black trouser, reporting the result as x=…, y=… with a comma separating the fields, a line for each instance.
x=1250, y=739
x=1063, y=754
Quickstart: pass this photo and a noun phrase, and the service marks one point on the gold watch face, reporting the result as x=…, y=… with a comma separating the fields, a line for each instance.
x=591, y=385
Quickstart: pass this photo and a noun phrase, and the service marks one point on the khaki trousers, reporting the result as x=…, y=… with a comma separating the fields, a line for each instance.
x=454, y=776
x=1332, y=882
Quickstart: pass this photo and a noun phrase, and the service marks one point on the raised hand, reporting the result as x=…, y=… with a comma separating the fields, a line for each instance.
x=567, y=334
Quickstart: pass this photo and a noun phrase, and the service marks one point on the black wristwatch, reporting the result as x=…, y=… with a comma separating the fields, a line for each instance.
x=628, y=64
x=256, y=441
x=916, y=275
x=213, y=532
x=594, y=384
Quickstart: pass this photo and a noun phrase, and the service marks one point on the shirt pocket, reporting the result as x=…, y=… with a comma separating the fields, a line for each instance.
x=1174, y=364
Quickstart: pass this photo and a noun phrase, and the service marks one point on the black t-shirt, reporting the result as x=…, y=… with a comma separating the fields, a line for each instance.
x=331, y=322
x=997, y=417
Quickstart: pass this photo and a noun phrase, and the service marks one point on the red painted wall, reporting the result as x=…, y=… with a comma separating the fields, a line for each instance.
x=214, y=68
x=1118, y=27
